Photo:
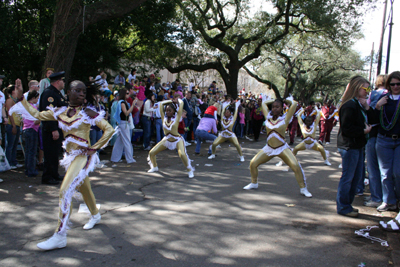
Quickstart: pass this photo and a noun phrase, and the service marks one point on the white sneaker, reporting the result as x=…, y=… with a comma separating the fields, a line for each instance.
x=251, y=186
x=340, y=166
x=279, y=164
x=190, y=174
x=219, y=146
x=327, y=143
x=56, y=241
x=195, y=141
x=13, y=167
x=326, y=162
x=147, y=148
x=187, y=144
x=94, y=219
x=152, y=142
x=212, y=156
x=305, y=192
x=19, y=166
x=1, y=180
x=241, y=158
x=155, y=169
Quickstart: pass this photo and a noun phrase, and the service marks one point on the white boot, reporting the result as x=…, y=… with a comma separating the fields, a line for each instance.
x=326, y=162
x=251, y=186
x=305, y=192
x=54, y=242
x=155, y=169
x=241, y=158
x=212, y=156
x=279, y=164
x=190, y=174
x=94, y=219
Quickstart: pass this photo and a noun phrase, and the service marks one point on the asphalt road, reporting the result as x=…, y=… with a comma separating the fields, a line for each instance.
x=167, y=219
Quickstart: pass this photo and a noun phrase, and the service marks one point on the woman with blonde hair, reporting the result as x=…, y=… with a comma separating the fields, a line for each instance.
x=354, y=115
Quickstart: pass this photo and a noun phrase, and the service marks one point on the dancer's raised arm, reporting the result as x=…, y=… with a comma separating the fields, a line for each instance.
x=265, y=108
x=23, y=107
x=292, y=109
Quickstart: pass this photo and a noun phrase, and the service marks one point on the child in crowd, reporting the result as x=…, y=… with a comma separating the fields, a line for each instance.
x=30, y=133
x=182, y=127
x=242, y=115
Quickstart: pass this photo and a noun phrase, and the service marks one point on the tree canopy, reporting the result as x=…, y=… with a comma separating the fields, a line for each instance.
x=227, y=34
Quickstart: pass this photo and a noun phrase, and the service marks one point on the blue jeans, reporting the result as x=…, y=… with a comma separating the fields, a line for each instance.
x=374, y=175
x=196, y=122
x=146, y=121
x=388, y=152
x=95, y=136
x=31, y=141
x=352, y=168
x=241, y=130
x=12, y=143
x=361, y=185
x=203, y=135
x=188, y=122
x=159, y=130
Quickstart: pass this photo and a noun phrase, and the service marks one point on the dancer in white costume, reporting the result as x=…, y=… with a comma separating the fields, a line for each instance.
x=226, y=134
x=172, y=139
x=308, y=129
x=276, y=124
x=80, y=157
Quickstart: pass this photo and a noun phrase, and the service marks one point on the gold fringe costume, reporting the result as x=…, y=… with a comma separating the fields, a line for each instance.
x=172, y=139
x=309, y=141
x=227, y=133
x=77, y=164
x=276, y=144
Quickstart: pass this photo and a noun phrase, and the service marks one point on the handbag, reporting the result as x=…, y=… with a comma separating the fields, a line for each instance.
x=4, y=166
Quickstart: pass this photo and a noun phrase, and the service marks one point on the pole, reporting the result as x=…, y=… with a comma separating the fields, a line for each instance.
x=378, y=71
x=390, y=38
x=372, y=59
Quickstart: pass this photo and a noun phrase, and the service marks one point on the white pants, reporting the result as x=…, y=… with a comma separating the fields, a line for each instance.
x=123, y=143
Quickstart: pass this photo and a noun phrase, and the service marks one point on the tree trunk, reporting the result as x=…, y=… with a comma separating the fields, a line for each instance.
x=64, y=36
x=70, y=18
x=231, y=83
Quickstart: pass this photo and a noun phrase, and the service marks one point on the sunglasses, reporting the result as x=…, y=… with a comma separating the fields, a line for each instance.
x=394, y=84
x=367, y=89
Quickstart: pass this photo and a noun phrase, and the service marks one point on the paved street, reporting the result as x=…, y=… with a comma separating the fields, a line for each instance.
x=167, y=219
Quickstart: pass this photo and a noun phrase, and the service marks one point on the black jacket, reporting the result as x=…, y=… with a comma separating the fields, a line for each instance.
x=352, y=124
x=52, y=97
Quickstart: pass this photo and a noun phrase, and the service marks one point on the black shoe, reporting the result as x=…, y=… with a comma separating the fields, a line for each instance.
x=59, y=178
x=51, y=182
x=291, y=143
x=40, y=166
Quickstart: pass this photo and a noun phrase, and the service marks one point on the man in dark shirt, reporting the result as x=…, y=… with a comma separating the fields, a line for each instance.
x=51, y=134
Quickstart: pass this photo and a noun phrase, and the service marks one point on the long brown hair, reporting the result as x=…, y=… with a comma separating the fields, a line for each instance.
x=122, y=94
x=353, y=87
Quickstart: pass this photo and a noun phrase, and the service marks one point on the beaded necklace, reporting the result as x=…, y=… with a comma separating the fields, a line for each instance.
x=384, y=121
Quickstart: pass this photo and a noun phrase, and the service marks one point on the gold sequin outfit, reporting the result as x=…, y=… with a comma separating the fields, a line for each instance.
x=77, y=164
x=309, y=141
x=227, y=133
x=172, y=139
x=276, y=144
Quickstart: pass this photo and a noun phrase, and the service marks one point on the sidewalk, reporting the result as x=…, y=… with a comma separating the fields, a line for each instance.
x=167, y=219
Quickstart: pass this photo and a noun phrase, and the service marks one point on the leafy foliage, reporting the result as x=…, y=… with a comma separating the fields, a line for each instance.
x=26, y=26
